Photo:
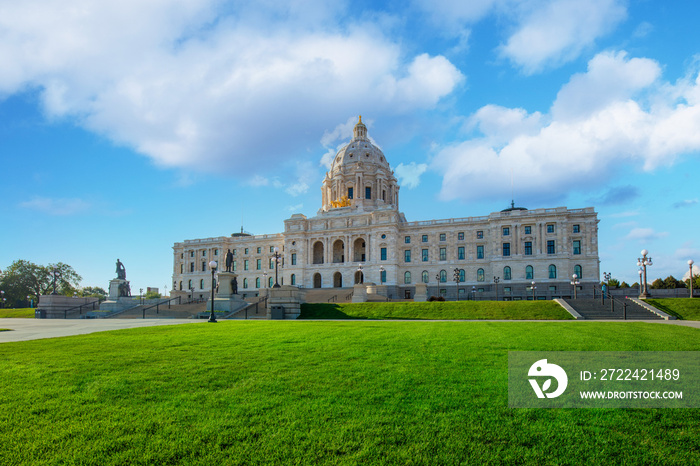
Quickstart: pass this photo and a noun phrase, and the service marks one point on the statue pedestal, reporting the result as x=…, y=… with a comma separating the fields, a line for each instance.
x=359, y=293
x=114, y=285
x=226, y=285
x=421, y=293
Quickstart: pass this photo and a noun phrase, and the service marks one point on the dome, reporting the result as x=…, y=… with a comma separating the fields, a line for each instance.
x=359, y=150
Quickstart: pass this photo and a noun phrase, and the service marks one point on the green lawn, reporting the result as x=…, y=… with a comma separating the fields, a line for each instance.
x=355, y=392
x=463, y=310
x=22, y=312
x=682, y=308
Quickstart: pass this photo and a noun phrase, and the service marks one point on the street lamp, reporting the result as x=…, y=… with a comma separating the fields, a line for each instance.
x=574, y=283
x=643, y=262
x=606, y=279
x=276, y=256
x=473, y=293
x=264, y=279
x=640, y=281
x=381, y=274
x=533, y=287
x=496, y=280
x=212, y=317
x=456, y=277
x=690, y=265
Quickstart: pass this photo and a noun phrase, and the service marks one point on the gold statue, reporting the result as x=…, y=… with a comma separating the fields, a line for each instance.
x=342, y=202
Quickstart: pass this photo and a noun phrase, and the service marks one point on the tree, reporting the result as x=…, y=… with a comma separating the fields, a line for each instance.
x=624, y=285
x=613, y=282
x=25, y=278
x=152, y=295
x=93, y=291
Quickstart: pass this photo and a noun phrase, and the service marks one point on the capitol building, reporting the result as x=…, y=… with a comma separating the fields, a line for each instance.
x=359, y=235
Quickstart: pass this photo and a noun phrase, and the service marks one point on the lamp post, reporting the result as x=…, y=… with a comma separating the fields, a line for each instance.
x=473, y=293
x=212, y=317
x=55, y=273
x=533, y=287
x=496, y=280
x=456, y=278
x=640, y=281
x=690, y=265
x=643, y=262
x=574, y=283
x=606, y=279
x=437, y=278
x=381, y=274
x=276, y=256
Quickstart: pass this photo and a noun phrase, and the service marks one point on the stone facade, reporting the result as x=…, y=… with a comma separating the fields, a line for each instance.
x=359, y=224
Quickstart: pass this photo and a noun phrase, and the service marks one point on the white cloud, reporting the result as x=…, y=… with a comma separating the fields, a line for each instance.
x=294, y=208
x=409, y=175
x=644, y=235
x=189, y=88
x=58, y=206
x=259, y=180
x=685, y=203
x=577, y=146
x=555, y=32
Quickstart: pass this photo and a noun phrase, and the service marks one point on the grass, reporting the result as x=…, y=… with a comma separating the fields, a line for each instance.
x=322, y=393
x=682, y=308
x=450, y=310
x=27, y=313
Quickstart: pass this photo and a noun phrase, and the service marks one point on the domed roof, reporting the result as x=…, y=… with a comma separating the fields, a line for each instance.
x=359, y=150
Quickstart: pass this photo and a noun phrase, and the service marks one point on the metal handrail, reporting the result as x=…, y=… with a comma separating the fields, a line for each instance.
x=80, y=308
x=157, y=305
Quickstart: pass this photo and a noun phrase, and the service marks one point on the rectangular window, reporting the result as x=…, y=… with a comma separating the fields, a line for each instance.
x=192, y=267
x=460, y=253
x=216, y=252
x=204, y=266
x=424, y=238
x=272, y=249
x=577, y=247
x=246, y=251
x=577, y=229
x=407, y=255
x=424, y=254
x=234, y=266
x=506, y=249
x=550, y=228
x=383, y=276
x=182, y=268
x=528, y=230
x=479, y=234
x=258, y=264
x=258, y=250
x=506, y=289
x=350, y=193
x=552, y=288
x=550, y=247
x=382, y=254
x=245, y=264
x=204, y=253
x=443, y=237
x=479, y=252
x=528, y=248
x=191, y=253
x=460, y=236
x=272, y=263
x=294, y=258
x=506, y=231
x=368, y=192
x=407, y=239
x=443, y=254
x=234, y=252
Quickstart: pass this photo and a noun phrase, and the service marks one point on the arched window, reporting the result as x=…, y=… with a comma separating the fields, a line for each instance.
x=407, y=278
x=270, y=282
x=257, y=282
x=552, y=271
x=480, y=275
x=245, y=283
x=294, y=279
x=443, y=276
x=529, y=273
x=180, y=285
x=424, y=276
x=462, y=275
x=506, y=273
x=578, y=271
x=201, y=284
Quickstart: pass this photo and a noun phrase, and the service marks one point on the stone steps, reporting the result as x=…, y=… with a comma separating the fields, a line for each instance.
x=593, y=309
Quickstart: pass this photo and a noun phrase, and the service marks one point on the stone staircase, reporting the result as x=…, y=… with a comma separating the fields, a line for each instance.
x=325, y=295
x=592, y=309
x=179, y=311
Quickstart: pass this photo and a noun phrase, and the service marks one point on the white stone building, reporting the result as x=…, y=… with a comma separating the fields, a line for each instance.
x=359, y=235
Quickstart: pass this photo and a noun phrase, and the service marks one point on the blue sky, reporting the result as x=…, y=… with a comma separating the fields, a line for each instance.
x=127, y=127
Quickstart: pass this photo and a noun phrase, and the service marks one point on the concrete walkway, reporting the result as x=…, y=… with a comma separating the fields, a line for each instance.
x=35, y=329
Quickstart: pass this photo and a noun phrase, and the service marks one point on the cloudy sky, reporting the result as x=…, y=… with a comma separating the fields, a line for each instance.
x=128, y=126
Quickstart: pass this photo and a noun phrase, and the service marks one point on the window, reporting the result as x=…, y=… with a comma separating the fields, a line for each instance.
x=424, y=255
x=552, y=288
x=506, y=249
x=258, y=250
x=258, y=264
x=578, y=271
x=204, y=266
x=216, y=252
x=479, y=252
x=443, y=254
x=204, y=253
x=462, y=275
x=506, y=231
x=234, y=266
x=350, y=193
x=407, y=278
x=506, y=273
x=460, y=253
x=382, y=276
x=269, y=282
x=528, y=230
x=480, y=275
x=528, y=248
x=460, y=236
x=443, y=237
x=368, y=192
x=550, y=247
x=407, y=255
x=424, y=238
x=294, y=279
x=506, y=289
x=382, y=254
x=189, y=285
x=577, y=247
x=407, y=239
x=294, y=258
x=257, y=282
x=552, y=271
x=245, y=264
x=577, y=229
x=424, y=276
x=180, y=285
x=479, y=234
x=272, y=249
x=192, y=267
x=201, y=284
x=529, y=273
x=191, y=253
x=245, y=283
x=272, y=263
x=443, y=276
x=182, y=268
x=182, y=255
x=550, y=228
x=234, y=252
x=245, y=251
